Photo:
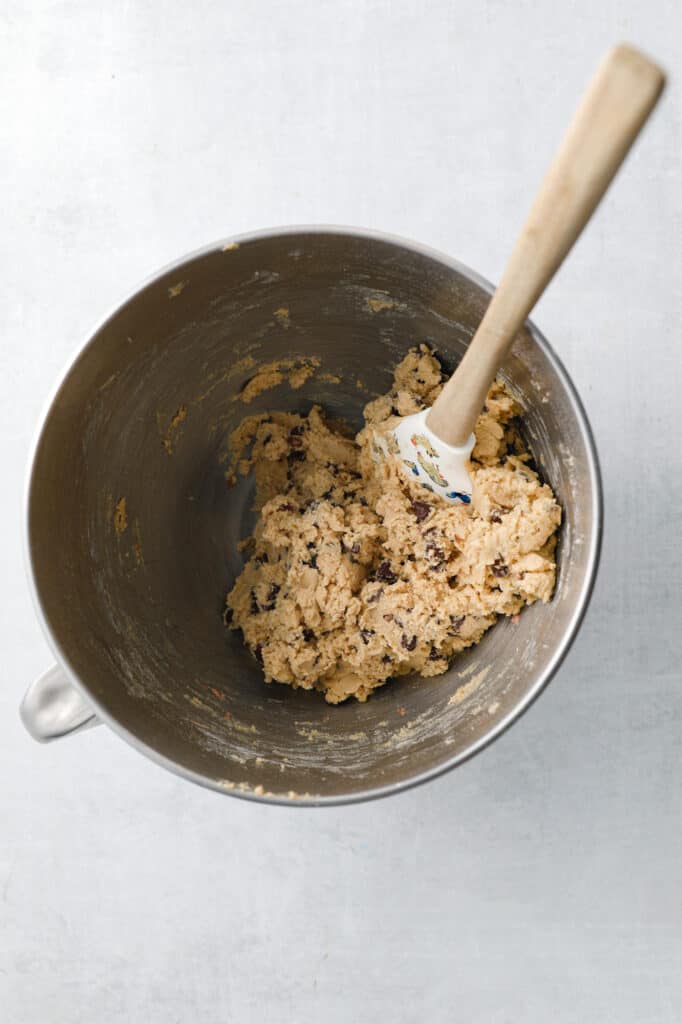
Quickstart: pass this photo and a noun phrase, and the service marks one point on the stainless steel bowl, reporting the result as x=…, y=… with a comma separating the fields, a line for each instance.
x=131, y=600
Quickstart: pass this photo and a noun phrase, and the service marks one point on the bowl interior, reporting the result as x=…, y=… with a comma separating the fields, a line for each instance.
x=133, y=530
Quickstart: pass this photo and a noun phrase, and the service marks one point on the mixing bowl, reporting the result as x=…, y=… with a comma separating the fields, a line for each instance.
x=132, y=528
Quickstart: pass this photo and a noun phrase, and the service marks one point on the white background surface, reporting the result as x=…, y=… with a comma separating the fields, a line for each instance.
x=541, y=882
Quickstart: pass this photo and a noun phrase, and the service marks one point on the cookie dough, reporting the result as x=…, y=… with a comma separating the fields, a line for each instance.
x=354, y=574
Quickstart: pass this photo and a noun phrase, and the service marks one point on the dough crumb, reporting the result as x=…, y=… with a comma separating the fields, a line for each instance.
x=378, y=303
x=356, y=575
x=120, y=516
x=283, y=317
x=176, y=421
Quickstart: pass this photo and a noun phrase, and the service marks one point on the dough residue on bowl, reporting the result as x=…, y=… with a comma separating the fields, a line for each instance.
x=295, y=372
x=354, y=574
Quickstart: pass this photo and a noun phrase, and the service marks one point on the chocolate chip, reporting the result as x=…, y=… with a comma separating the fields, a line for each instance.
x=386, y=658
x=297, y=429
x=312, y=561
x=499, y=569
x=373, y=598
x=268, y=437
x=296, y=456
x=262, y=558
x=434, y=655
x=420, y=509
x=308, y=635
x=327, y=494
x=435, y=556
x=365, y=634
x=286, y=507
x=388, y=618
x=255, y=608
x=363, y=502
x=495, y=518
x=354, y=549
x=272, y=597
x=409, y=645
x=385, y=573
x=295, y=442
x=455, y=622
x=347, y=495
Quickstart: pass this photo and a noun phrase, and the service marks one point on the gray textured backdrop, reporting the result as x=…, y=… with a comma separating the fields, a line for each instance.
x=541, y=882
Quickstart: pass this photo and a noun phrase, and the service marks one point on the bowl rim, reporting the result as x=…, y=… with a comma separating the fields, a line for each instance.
x=499, y=728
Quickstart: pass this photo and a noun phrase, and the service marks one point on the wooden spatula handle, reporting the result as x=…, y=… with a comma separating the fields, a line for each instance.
x=621, y=96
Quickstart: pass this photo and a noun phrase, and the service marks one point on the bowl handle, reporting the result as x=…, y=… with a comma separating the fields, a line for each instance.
x=52, y=707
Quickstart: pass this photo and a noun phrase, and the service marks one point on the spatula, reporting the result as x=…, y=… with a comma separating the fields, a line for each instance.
x=434, y=445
